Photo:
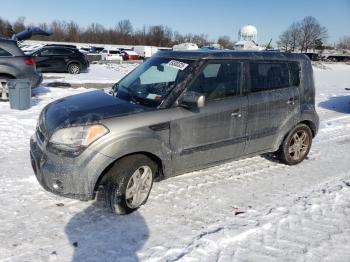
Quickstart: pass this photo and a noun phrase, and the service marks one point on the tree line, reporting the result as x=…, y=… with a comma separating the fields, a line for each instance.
x=123, y=33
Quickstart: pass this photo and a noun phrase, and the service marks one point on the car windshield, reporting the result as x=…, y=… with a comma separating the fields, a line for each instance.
x=149, y=83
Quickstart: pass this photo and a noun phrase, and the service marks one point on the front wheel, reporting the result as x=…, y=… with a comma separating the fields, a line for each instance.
x=129, y=183
x=296, y=146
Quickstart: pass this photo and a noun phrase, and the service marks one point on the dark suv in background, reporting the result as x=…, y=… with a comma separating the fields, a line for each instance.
x=15, y=64
x=60, y=58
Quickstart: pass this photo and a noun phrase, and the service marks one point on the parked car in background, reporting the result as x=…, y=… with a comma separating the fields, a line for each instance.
x=145, y=51
x=15, y=64
x=111, y=54
x=59, y=58
x=185, y=46
x=95, y=49
x=130, y=55
x=177, y=112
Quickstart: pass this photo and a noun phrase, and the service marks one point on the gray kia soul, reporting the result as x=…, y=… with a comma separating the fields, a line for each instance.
x=177, y=112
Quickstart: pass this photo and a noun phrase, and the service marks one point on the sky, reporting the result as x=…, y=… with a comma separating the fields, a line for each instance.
x=213, y=18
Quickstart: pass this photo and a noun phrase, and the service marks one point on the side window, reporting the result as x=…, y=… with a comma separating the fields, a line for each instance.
x=268, y=76
x=294, y=68
x=4, y=52
x=59, y=51
x=219, y=80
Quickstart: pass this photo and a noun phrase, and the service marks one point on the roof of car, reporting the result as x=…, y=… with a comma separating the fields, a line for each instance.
x=227, y=54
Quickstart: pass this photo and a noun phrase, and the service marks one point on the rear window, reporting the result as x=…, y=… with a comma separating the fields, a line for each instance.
x=268, y=75
x=114, y=52
x=4, y=52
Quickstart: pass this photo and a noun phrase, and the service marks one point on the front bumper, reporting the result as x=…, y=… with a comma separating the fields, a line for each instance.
x=72, y=177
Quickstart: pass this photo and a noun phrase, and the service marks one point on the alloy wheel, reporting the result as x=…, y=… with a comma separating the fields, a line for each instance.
x=299, y=145
x=138, y=187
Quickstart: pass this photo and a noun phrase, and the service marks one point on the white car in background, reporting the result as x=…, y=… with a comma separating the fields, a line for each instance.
x=111, y=54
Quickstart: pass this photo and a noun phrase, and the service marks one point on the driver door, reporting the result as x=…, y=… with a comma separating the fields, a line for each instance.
x=216, y=132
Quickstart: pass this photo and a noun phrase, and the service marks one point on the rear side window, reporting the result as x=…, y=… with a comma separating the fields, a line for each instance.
x=44, y=52
x=268, y=76
x=4, y=52
x=61, y=52
x=219, y=80
x=294, y=68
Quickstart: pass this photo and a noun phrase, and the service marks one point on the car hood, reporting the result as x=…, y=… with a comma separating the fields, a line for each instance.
x=84, y=109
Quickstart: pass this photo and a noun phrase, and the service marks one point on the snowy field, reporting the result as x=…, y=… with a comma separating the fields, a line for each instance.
x=254, y=209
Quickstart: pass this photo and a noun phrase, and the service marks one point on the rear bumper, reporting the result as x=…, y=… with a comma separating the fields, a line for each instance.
x=72, y=177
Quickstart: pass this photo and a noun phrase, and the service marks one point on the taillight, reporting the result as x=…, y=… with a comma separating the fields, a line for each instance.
x=29, y=61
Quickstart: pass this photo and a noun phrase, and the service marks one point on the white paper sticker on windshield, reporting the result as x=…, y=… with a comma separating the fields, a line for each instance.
x=177, y=64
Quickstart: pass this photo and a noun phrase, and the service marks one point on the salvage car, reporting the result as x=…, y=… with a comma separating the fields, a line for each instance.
x=176, y=112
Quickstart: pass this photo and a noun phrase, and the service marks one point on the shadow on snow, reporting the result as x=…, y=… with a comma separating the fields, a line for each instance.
x=339, y=104
x=98, y=235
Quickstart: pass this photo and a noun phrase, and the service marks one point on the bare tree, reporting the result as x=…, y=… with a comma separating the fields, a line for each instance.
x=19, y=26
x=344, y=43
x=73, y=31
x=225, y=42
x=311, y=33
x=289, y=39
x=5, y=28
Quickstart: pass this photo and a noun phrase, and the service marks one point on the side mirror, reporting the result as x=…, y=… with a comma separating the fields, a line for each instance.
x=192, y=100
x=114, y=89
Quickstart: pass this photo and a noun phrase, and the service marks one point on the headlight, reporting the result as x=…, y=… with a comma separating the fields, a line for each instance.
x=76, y=138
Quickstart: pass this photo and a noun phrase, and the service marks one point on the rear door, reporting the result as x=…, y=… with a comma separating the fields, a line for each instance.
x=217, y=131
x=60, y=58
x=272, y=100
x=42, y=59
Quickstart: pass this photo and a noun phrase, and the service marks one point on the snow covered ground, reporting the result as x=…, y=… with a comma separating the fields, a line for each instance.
x=254, y=209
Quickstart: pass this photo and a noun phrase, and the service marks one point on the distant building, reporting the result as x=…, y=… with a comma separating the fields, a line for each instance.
x=248, y=33
x=247, y=36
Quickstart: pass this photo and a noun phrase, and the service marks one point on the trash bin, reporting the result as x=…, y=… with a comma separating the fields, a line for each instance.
x=19, y=91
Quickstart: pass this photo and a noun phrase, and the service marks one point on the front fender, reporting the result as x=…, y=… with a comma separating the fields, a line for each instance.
x=151, y=142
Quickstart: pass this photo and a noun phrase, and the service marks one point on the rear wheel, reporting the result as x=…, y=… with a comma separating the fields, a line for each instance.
x=296, y=145
x=129, y=183
x=74, y=68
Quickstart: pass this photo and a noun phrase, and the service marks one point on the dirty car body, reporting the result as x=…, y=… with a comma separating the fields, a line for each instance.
x=178, y=137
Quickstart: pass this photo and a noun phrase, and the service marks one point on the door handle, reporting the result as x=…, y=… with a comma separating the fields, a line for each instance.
x=236, y=114
x=291, y=101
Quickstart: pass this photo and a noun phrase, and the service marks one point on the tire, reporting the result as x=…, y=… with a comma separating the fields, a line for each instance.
x=123, y=193
x=74, y=68
x=296, y=145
